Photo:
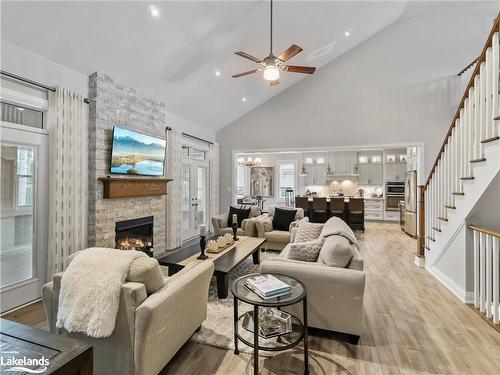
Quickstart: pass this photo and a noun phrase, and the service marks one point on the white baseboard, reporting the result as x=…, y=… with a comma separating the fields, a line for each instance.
x=461, y=294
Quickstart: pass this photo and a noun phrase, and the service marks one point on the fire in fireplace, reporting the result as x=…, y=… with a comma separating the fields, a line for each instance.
x=135, y=234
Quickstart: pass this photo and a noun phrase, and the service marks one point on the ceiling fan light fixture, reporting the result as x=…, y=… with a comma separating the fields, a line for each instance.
x=271, y=73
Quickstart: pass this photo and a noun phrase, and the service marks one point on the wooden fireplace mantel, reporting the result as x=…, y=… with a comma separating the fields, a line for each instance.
x=127, y=187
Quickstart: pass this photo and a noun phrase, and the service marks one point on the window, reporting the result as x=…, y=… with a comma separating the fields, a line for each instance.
x=25, y=177
x=286, y=178
x=240, y=181
x=22, y=115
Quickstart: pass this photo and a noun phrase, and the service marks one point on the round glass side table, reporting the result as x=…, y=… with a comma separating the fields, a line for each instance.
x=283, y=341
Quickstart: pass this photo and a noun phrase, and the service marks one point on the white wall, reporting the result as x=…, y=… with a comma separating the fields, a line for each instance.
x=397, y=87
x=28, y=64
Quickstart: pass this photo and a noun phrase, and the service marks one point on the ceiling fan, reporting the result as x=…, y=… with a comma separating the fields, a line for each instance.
x=272, y=65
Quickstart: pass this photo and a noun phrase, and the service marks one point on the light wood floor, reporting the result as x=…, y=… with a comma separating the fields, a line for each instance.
x=413, y=325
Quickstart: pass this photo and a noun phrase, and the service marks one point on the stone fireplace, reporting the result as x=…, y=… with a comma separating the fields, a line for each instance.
x=115, y=104
x=134, y=234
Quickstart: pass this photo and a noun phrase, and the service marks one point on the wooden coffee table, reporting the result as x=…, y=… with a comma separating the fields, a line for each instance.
x=224, y=261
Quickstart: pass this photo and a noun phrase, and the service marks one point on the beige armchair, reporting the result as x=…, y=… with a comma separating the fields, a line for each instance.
x=275, y=239
x=220, y=224
x=149, y=329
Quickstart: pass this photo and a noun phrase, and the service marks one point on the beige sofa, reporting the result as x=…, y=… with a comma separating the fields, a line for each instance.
x=150, y=326
x=275, y=239
x=220, y=224
x=334, y=295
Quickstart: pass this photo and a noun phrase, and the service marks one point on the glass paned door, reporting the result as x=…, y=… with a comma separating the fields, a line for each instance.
x=194, y=197
x=23, y=214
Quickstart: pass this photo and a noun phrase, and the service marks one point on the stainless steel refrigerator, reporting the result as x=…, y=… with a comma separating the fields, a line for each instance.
x=411, y=203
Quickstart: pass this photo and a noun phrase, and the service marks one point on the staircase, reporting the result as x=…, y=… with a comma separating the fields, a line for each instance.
x=467, y=163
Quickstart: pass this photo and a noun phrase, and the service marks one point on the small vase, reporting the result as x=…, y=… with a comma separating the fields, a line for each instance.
x=203, y=244
x=235, y=229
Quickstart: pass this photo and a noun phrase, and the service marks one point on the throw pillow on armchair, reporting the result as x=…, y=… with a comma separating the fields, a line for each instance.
x=283, y=218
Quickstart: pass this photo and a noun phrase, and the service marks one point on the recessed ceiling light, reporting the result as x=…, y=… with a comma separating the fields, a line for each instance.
x=217, y=73
x=154, y=11
x=347, y=33
x=243, y=99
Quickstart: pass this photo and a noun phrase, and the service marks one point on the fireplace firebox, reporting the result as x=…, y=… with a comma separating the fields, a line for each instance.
x=135, y=234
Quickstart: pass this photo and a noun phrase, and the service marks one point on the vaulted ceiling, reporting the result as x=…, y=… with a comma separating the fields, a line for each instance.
x=174, y=57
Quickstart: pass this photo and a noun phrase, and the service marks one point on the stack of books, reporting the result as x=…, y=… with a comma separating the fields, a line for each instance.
x=267, y=286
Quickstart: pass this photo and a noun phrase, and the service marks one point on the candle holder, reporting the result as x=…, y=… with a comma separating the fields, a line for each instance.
x=235, y=229
x=203, y=245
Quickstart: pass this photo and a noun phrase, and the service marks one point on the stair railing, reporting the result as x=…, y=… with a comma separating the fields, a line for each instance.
x=487, y=272
x=474, y=125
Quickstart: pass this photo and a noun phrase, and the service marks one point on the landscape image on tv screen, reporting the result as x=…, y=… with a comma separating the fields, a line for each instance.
x=137, y=154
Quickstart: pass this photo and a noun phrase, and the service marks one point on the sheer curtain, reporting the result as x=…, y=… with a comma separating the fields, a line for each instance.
x=214, y=180
x=67, y=124
x=174, y=202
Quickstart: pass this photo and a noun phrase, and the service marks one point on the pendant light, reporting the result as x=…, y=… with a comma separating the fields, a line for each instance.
x=303, y=171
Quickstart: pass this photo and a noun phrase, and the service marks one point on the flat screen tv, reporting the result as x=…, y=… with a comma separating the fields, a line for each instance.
x=136, y=153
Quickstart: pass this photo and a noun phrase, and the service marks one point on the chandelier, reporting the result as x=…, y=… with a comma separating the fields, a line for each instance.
x=249, y=162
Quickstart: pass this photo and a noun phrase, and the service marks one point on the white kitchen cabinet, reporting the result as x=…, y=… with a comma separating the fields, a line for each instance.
x=374, y=209
x=395, y=171
x=315, y=175
x=391, y=215
x=344, y=163
x=370, y=174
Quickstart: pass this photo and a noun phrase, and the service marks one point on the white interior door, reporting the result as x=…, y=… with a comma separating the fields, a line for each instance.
x=194, y=197
x=23, y=214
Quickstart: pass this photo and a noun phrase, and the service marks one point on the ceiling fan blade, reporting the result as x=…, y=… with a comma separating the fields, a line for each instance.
x=300, y=69
x=275, y=82
x=290, y=52
x=245, y=73
x=247, y=56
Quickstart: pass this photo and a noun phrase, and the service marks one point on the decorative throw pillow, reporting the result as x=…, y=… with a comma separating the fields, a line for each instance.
x=336, y=252
x=308, y=232
x=283, y=218
x=268, y=224
x=241, y=213
x=305, y=251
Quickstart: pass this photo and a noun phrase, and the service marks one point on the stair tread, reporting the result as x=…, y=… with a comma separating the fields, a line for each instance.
x=436, y=229
x=490, y=139
x=448, y=206
x=467, y=178
x=442, y=218
x=430, y=238
x=478, y=160
x=427, y=247
x=457, y=193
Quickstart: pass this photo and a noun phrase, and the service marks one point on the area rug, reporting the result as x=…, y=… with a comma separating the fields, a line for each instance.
x=217, y=329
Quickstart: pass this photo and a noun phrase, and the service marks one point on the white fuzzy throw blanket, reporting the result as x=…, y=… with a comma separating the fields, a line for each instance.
x=90, y=290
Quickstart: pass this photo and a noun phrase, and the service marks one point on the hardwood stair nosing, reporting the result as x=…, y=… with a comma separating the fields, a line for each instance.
x=442, y=218
x=468, y=178
x=427, y=247
x=498, y=117
x=451, y=207
x=487, y=140
x=430, y=238
x=458, y=193
x=478, y=160
x=436, y=229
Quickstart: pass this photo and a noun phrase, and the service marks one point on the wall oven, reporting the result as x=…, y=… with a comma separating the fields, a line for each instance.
x=394, y=193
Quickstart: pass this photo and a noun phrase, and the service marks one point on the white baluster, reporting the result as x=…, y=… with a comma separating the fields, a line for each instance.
x=476, y=269
x=476, y=119
x=488, y=103
x=482, y=269
x=495, y=66
x=496, y=281
x=488, y=275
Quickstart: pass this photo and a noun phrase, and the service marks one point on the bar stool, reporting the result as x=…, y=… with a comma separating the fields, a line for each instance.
x=319, y=210
x=357, y=213
x=302, y=202
x=337, y=207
